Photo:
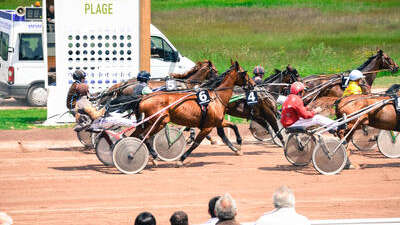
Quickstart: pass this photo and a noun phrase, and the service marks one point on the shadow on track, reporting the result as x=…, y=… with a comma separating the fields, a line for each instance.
x=74, y=149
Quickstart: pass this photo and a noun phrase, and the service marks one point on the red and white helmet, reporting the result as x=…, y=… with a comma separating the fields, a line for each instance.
x=296, y=87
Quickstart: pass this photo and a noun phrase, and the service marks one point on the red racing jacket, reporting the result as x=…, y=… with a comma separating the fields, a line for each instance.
x=292, y=109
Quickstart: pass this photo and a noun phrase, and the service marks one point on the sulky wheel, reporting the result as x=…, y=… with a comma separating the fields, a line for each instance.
x=365, y=139
x=130, y=156
x=389, y=143
x=325, y=160
x=85, y=137
x=259, y=132
x=298, y=149
x=103, y=148
x=169, y=143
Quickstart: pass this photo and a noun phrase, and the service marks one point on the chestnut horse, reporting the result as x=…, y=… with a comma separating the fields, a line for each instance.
x=201, y=71
x=383, y=117
x=379, y=61
x=188, y=112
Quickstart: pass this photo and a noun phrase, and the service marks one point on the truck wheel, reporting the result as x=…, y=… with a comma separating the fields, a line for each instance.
x=37, y=95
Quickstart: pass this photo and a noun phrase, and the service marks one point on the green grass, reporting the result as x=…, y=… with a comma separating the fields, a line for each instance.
x=310, y=39
x=21, y=119
x=13, y=4
x=387, y=81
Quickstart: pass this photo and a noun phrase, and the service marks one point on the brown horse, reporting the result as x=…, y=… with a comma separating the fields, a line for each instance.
x=379, y=61
x=265, y=111
x=201, y=71
x=383, y=117
x=188, y=112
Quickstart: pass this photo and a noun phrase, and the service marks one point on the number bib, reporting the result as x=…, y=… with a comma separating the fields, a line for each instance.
x=251, y=98
x=203, y=98
x=170, y=85
x=345, y=81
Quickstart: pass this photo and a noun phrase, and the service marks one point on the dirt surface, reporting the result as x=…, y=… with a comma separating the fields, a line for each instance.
x=59, y=182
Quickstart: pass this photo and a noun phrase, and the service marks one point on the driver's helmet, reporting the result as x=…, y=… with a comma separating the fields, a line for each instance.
x=356, y=75
x=258, y=71
x=143, y=76
x=296, y=87
x=78, y=75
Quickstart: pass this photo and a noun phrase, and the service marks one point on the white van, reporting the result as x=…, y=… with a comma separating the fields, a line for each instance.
x=24, y=72
x=22, y=68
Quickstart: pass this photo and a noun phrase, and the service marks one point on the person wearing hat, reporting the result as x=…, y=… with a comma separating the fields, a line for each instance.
x=295, y=114
x=77, y=97
x=354, y=84
x=258, y=72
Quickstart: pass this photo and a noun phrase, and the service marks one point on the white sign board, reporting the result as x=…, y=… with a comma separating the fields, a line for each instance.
x=100, y=37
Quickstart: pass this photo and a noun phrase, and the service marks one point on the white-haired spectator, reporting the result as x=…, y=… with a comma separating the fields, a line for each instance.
x=5, y=219
x=284, y=212
x=226, y=210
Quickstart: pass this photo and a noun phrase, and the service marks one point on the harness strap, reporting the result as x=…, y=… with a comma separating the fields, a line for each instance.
x=204, y=109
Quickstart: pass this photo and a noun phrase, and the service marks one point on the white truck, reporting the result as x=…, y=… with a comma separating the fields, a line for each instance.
x=24, y=70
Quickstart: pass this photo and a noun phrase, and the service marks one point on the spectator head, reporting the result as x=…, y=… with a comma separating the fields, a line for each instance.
x=211, y=206
x=51, y=8
x=225, y=207
x=179, y=218
x=145, y=218
x=283, y=198
x=5, y=219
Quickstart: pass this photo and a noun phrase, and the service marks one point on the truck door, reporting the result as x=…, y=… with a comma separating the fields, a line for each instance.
x=163, y=58
x=4, y=61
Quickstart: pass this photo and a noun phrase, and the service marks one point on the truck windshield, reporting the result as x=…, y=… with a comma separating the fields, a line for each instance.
x=30, y=47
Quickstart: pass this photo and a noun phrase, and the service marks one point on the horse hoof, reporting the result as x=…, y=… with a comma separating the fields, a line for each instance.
x=154, y=162
x=238, y=147
x=179, y=164
x=239, y=153
x=213, y=142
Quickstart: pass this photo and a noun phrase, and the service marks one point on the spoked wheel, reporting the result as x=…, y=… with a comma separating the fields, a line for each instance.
x=389, y=143
x=129, y=156
x=85, y=137
x=169, y=143
x=259, y=132
x=325, y=160
x=298, y=149
x=104, y=144
x=275, y=138
x=365, y=139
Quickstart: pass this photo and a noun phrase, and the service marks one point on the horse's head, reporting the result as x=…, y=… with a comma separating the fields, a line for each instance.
x=290, y=75
x=379, y=61
x=387, y=62
x=242, y=78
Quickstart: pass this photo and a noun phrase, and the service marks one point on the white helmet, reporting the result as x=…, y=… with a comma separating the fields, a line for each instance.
x=356, y=74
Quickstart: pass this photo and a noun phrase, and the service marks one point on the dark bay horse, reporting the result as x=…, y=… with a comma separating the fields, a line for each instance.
x=265, y=111
x=379, y=61
x=383, y=117
x=188, y=112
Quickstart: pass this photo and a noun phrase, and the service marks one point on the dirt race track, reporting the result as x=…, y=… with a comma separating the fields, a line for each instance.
x=49, y=179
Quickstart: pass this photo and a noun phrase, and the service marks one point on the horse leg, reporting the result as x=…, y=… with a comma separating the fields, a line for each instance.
x=233, y=126
x=212, y=141
x=221, y=134
x=203, y=133
x=269, y=115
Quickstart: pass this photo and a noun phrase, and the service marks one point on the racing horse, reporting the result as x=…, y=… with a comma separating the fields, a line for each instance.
x=203, y=70
x=264, y=112
x=326, y=99
x=379, y=61
x=188, y=112
x=384, y=116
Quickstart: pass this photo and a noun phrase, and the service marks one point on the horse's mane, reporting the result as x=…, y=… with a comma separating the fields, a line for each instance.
x=215, y=82
x=366, y=63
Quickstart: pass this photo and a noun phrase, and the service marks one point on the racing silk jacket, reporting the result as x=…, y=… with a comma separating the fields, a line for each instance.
x=75, y=92
x=292, y=109
x=352, y=89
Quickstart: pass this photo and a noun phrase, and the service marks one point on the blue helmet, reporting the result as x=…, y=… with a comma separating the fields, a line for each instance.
x=143, y=76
